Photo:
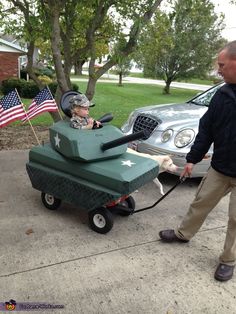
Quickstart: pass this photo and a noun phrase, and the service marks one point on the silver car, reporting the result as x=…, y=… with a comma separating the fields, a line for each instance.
x=173, y=129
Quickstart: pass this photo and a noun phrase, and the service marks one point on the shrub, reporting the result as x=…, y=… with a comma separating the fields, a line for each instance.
x=53, y=87
x=47, y=71
x=12, y=83
x=45, y=79
x=28, y=89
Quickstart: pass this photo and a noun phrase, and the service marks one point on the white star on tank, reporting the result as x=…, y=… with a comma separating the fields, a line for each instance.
x=128, y=163
x=57, y=140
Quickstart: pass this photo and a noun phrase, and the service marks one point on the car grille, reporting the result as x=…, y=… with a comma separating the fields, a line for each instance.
x=144, y=122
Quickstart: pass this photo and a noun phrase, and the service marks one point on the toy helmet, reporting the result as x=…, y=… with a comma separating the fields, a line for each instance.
x=71, y=98
x=80, y=100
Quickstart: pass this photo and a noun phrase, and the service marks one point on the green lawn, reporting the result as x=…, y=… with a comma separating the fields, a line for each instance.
x=120, y=101
x=190, y=80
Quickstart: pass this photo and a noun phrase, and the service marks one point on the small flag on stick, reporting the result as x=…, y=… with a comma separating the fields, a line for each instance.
x=43, y=102
x=11, y=108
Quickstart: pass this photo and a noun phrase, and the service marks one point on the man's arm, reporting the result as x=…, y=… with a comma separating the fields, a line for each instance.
x=202, y=142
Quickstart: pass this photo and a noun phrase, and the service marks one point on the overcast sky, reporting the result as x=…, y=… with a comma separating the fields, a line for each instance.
x=229, y=11
x=230, y=17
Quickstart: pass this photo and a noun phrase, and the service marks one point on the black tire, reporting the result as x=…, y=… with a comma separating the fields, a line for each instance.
x=130, y=201
x=49, y=201
x=129, y=206
x=100, y=220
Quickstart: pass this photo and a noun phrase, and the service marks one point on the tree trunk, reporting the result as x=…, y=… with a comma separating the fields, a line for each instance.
x=56, y=51
x=29, y=66
x=93, y=77
x=166, y=89
x=62, y=76
x=90, y=91
x=78, y=67
x=120, y=79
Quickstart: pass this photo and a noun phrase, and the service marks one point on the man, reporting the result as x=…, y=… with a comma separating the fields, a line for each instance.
x=217, y=126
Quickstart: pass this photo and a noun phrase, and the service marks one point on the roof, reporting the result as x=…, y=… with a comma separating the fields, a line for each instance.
x=10, y=47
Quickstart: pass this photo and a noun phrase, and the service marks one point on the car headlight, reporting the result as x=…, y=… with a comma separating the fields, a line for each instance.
x=166, y=135
x=184, y=138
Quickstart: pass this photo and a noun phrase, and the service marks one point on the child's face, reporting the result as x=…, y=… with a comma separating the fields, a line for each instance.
x=81, y=111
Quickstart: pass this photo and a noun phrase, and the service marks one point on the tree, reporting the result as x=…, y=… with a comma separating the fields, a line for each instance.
x=182, y=43
x=124, y=64
x=57, y=20
x=139, y=13
x=122, y=68
x=22, y=19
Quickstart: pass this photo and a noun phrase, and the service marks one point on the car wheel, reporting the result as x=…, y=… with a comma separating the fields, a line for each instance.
x=49, y=201
x=100, y=220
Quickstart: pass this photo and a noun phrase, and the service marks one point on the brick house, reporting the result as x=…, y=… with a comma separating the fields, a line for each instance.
x=9, y=59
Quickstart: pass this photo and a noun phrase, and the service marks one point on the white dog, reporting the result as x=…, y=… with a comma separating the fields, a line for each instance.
x=165, y=163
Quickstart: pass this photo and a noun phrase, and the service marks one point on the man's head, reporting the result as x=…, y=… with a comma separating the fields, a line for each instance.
x=227, y=63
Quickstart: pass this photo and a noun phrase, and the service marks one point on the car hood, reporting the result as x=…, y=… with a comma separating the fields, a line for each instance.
x=175, y=114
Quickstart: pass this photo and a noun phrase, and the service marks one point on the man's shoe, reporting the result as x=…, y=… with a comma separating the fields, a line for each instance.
x=170, y=236
x=224, y=272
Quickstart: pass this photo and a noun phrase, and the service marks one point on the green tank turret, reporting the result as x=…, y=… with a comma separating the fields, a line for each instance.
x=90, y=145
x=90, y=169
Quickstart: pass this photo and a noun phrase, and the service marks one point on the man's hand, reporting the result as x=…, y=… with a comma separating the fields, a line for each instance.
x=188, y=168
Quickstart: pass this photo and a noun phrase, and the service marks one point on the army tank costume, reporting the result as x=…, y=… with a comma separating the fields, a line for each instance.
x=89, y=168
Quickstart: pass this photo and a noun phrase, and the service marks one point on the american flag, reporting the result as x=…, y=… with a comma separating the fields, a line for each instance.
x=11, y=109
x=42, y=102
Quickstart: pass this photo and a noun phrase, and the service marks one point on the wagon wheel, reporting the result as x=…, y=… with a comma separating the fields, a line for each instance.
x=128, y=206
x=100, y=220
x=49, y=201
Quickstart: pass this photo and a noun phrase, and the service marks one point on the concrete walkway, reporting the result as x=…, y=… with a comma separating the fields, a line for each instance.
x=54, y=257
x=111, y=78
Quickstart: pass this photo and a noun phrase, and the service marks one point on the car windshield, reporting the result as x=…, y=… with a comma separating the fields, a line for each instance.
x=205, y=98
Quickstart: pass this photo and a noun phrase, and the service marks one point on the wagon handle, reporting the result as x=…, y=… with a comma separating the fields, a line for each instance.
x=181, y=180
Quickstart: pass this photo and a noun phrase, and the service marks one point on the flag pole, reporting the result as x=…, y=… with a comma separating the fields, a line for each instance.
x=55, y=102
x=27, y=117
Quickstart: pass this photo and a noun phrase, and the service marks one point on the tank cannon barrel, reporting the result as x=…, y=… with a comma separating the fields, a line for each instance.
x=126, y=139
